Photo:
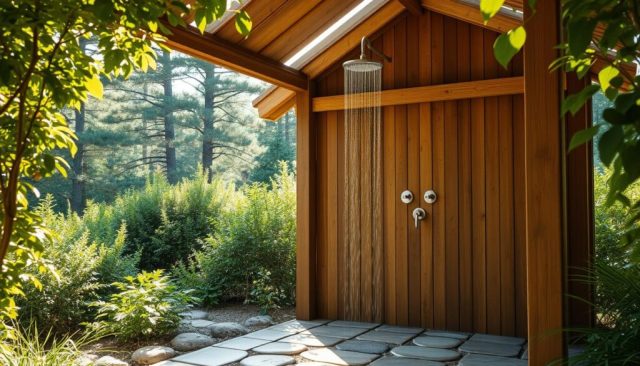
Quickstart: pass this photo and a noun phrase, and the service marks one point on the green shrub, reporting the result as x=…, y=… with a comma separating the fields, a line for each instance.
x=257, y=234
x=29, y=347
x=165, y=223
x=146, y=305
x=81, y=269
x=267, y=294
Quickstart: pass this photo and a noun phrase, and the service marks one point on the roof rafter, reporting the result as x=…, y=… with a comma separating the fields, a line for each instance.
x=414, y=6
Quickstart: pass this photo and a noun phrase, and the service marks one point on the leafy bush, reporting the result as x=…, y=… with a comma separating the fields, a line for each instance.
x=256, y=235
x=147, y=305
x=266, y=293
x=81, y=269
x=29, y=348
x=616, y=341
x=165, y=223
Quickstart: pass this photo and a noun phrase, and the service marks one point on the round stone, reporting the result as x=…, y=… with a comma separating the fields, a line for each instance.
x=109, y=361
x=201, y=323
x=268, y=360
x=426, y=353
x=281, y=348
x=338, y=357
x=403, y=361
x=191, y=341
x=258, y=321
x=226, y=330
x=152, y=354
x=437, y=342
x=363, y=346
x=194, y=314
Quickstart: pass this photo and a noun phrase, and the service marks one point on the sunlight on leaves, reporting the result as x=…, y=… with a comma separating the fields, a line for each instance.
x=94, y=86
x=508, y=45
x=243, y=23
x=489, y=8
x=605, y=75
x=583, y=136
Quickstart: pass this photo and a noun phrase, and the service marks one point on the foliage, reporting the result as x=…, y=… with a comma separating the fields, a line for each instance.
x=43, y=69
x=83, y=269
x=146, y=305
x=617, y=340
x=29, y=347
x=266, y=293
x=279, y=140
x=256, y=235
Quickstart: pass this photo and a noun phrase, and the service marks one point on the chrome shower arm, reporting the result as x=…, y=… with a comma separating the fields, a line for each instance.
x=365, y=43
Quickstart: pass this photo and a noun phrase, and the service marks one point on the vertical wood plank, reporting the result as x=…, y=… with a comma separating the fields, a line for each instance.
x=305, y=207
x=543, y=185
x=332, y=210
x=426, y=175
x=519, y=216
x=402, y=214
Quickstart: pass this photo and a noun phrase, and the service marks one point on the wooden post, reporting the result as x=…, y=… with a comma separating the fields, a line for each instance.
x=305, y=186
x=543, y=185
x=580, y=220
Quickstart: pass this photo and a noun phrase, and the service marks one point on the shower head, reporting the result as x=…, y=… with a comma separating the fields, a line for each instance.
x=363, y=64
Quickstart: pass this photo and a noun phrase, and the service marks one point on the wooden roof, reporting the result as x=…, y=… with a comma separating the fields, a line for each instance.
x=281, y=28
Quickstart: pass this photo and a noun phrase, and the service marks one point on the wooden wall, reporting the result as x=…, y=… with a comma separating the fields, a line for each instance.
x=464, y=268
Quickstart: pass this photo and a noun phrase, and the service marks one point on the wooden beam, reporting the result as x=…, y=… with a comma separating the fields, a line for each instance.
x=306, y=208
x=543, y=185
x=433, y=93
x=215, y=50
x=274, y=103
x=413, y=6
x=471, y=14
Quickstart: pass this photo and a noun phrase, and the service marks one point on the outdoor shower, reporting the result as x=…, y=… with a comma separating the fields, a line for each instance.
x=362, y=229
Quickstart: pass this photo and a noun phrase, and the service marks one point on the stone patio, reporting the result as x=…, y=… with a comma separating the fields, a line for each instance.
x=345, y=343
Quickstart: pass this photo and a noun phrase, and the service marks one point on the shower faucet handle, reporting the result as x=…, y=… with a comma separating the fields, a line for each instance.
x=419, y=214
x=406, y=197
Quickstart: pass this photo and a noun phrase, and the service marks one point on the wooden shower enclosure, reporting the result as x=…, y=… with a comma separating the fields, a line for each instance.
x=513, y=212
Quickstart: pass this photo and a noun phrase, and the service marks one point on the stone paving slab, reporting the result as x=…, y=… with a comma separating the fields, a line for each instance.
x=346, y=323
x=485, y=360
x=497, y=339
x=426, y=353
x=242, y=343
x=399, y=329
x=297, y=326
x=336, y=332
x=170, y=363
x=338, y=357
x=363, y=346
x=212, y=356
x=268, y=360
x=312, y=341
x=436, y=342
x=489, y=348
x=268, y=334
x=385, y=337
x=444, y=333
x=404, y=361
x=281, y=348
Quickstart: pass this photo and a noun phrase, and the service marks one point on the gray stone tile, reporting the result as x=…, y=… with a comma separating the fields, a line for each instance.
x=426, y=353
x=297, y=326
x=267, y=360
x=268, y=334
x=399, y=329
x=436, y=342
x=525, y=353
x=346, y=323
x=242, y=343
x=170, y=363
x=212, y=356
x=497, y=339
x=404, y=361
x=306, y=363
x=312, y=341
x=444, y=333
x=484, y=360
x=489, y=348
x=363, y=346
x=201, y=323
x=338, y=357
x=385, y=337
x=336, y=332
x=281, y=348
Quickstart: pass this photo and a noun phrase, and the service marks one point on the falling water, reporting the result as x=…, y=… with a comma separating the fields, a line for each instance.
x=363, y=190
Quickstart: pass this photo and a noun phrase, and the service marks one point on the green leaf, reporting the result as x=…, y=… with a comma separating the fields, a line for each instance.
x=574, y=102
x=94, y=86
x=153, y=26
x=583, y=136
x=509, y=44
x=243, y=23
x=489, y=8
x=605, y=75
x=533, y=4
x=49, y=162
x=579, y=33
x=608, y=144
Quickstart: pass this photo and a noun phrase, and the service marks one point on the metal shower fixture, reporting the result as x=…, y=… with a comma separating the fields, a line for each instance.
x=363, y=64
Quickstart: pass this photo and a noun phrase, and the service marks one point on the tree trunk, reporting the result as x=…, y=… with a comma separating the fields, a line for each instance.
x=286, y=128
x=78, y=199
x=169, y=128
x=207, y=131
